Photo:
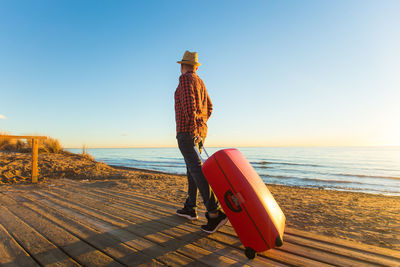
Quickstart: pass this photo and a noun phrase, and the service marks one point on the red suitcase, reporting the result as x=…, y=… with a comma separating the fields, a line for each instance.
x=252, y=210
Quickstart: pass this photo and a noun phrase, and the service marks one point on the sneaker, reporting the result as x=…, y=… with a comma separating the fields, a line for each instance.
x=188, y=213
x=213, y=224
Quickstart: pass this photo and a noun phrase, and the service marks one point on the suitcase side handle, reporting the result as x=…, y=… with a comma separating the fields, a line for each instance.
x=232, y=201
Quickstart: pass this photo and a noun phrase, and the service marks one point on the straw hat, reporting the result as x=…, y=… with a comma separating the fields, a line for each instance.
x=190, y=58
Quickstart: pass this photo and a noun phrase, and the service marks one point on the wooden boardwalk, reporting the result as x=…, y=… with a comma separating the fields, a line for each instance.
x=72, y=223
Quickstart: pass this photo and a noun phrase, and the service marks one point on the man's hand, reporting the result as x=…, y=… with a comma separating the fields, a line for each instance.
x=197, y=139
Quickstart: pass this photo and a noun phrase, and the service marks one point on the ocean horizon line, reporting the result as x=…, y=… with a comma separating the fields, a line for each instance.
x=238, y=146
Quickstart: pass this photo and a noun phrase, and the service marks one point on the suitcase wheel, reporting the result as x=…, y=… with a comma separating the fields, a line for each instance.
x=250, y=253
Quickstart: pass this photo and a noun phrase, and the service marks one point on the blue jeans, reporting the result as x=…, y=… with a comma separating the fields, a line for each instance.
x=196, y=179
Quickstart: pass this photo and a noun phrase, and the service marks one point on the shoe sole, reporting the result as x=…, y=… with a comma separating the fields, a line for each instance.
x=221, y=223
x=187, y=217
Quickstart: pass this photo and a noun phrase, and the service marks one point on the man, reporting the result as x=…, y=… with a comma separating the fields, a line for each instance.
x=193, y=107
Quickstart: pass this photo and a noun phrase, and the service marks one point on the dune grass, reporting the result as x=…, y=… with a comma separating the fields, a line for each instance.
x=48, y=145
x=85, y=154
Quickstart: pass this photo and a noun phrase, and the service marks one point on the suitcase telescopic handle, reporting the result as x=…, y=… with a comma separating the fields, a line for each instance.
x=196, y=148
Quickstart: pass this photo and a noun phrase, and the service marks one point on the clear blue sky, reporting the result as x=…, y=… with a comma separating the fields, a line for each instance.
x=103, y=73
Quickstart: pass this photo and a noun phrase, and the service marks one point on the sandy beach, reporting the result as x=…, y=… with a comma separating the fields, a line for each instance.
x=366, y=218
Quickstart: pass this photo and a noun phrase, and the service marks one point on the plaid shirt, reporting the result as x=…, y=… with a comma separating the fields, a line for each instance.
x=193, y=106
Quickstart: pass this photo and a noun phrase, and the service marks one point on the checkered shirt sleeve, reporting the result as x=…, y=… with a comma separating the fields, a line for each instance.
x=193, y=105
x=188, y=101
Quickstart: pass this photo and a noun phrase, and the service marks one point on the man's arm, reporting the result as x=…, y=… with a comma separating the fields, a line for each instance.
x=189, y=103
x=209, y=106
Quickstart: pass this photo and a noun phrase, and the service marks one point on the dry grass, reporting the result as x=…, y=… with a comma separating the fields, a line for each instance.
x=12, y=144
x=85, y=154
x=48, y=145
x=88, y=156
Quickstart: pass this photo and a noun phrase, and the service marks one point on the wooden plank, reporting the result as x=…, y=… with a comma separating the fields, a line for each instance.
x=125, y=235
x=77, y=249
x=277, y=256
x=35, y=145
x=335, y=255
x=132, y=204
x=207, y=257
x=43, y=251
x=327, y=252
x=80, y=228
x=360, y=259
x=152, y=224
x=122, y=197
x=365, y=256
x=384, y=252
x=11, y=253
x=166, y=242
x=213, y=249
x=323, y=256
x=357, y=251
x=175, y=259
x=104, y=242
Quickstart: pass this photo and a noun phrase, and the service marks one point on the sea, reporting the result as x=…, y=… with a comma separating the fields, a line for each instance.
x=374, y=170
